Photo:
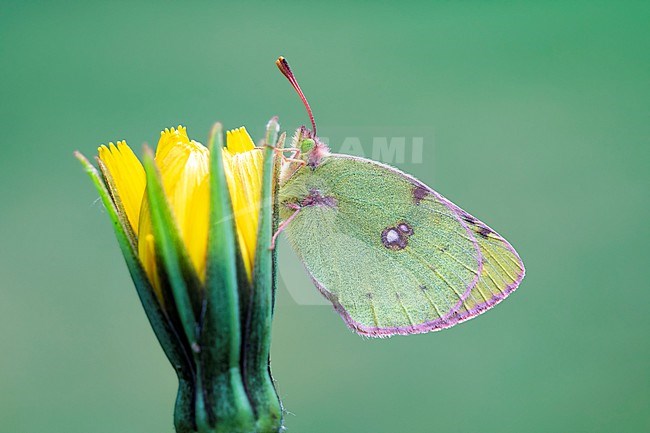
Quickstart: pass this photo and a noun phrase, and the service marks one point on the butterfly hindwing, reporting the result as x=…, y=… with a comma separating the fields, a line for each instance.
x=392, y=255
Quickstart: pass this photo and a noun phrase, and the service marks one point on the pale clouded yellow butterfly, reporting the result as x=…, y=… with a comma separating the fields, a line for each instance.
x=391, y=254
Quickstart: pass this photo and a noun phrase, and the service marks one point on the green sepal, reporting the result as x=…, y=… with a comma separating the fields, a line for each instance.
x=168, y=303
x=117, y=202
x=184, y=408
x=222, y=402
x=276, y=218
x=164, y=331
x=177, y=269
x=257, y=344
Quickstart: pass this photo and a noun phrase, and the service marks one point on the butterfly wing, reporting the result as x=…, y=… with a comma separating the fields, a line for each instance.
x=502, y=270
x=392, y=255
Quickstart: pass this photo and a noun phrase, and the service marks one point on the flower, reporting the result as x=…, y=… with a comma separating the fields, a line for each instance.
x=195, y=229
x=184, y=168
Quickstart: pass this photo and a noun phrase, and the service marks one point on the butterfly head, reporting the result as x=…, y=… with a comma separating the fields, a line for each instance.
x=311, y=149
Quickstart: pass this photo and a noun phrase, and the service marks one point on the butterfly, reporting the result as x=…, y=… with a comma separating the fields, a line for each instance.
x=392, y=255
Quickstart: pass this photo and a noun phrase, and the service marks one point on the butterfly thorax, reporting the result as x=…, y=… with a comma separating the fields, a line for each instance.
x=304, y=185
x=311, y=149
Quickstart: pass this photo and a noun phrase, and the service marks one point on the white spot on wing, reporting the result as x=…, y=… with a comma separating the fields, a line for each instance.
x=392, y=236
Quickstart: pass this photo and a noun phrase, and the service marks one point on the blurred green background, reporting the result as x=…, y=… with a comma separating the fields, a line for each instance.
x=541, y=120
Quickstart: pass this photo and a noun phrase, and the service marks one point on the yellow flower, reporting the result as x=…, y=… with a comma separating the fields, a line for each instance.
x=184, y=167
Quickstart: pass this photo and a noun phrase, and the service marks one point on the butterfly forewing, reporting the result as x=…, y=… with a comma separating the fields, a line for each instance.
x=502, y=271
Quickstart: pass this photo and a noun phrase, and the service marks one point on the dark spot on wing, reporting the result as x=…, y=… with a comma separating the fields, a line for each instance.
x=485, y=232
x=316, y=198
x=478, y=226
x=396, y=237
x=419, y=194
x=405, y=228
x=369, y=295
x=469, y=219
x=424, y=288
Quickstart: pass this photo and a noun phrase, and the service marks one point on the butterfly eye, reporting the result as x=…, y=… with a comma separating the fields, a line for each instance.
x=307, y=145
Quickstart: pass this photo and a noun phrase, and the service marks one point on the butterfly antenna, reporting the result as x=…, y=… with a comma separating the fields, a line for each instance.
x=283, y=66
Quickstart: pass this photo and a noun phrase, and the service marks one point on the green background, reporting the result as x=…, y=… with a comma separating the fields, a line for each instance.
x=541, y=115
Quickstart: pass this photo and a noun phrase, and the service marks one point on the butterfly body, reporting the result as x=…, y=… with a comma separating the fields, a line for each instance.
x=391, y=254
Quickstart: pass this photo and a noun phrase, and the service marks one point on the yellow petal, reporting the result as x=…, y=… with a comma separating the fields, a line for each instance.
x=238, y=140
x=128, y=177
x=147, y=253
x=184, y=168
x=195, y=233
x=243, y=166
x=169, y=138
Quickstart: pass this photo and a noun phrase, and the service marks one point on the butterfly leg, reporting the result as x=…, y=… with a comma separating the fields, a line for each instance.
x=281, y=149
x=285, y=223
x=299, y=161
x=292, y=158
